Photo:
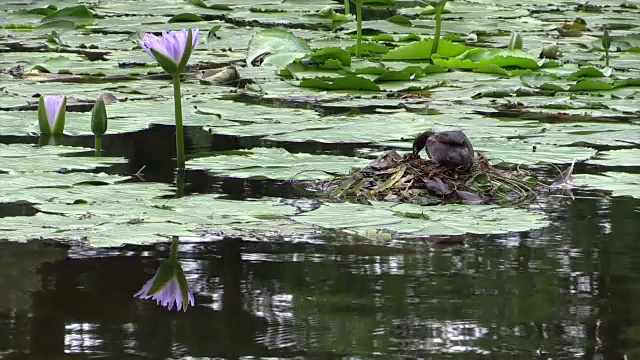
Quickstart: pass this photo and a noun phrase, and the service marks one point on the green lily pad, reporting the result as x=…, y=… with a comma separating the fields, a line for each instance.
x=481, y=58
x=202, y=4
x=349, y=82
x=334, y=53
x=276, y=43
x=589, y=134
x=520, y=152
x=185, y=17
x=131, y=221
x=622, y=157
x=20, y=158
x=79, y=15
x=275, y=163
x=619, y=183
x=408, y=220
x=590, y=71
x=421, y=50
x=400, y=20
x=40, y=187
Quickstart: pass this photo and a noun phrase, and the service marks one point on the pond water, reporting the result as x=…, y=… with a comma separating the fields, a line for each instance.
x=563, y=291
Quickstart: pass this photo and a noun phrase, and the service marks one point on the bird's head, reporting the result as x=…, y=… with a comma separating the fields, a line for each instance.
x=420, y=141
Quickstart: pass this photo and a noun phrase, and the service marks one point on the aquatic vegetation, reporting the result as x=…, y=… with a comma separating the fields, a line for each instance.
x=333, y=92
x=99, y=123
x=516, y=41
x=606, y=44
x=393, y=178
x=172, y=51
x=51, y=114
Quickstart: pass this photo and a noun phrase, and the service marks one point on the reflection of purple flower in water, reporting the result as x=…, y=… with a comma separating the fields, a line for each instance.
x=170, y=291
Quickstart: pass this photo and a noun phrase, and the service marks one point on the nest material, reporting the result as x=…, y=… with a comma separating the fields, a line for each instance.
x=393, y=178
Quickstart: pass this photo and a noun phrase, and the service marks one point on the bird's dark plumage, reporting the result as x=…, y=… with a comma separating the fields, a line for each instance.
x=447, y=148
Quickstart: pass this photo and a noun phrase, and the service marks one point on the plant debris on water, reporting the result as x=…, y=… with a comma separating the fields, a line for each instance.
x=392, y=177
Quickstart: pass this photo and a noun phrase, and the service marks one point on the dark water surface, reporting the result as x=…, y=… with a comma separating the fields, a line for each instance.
x=567, y=291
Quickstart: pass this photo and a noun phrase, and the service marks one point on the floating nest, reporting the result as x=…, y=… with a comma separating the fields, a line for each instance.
x=392, y=177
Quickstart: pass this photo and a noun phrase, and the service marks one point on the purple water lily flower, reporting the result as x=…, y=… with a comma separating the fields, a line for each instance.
x=171, y=44
x=51, y=114
x=168, y=294
x=53, y=105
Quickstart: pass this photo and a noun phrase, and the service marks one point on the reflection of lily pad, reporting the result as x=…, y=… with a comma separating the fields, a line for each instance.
x=275, y=163
x=414, y=220
x=621, y=184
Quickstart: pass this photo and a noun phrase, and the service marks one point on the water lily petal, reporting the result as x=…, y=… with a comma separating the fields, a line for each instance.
x=170, y=44
x=167, y=296
x=52, y=106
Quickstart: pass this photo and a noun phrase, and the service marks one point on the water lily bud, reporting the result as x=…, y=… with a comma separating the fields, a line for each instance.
x=51, y=114
x=172, y=50
x=516, y=41
x=99, y=118
x=606, y=40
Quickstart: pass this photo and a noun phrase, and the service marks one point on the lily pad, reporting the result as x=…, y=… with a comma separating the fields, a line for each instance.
x=408, y=220
x=131, y=221
x=349, y=82
x=79, y=15
x=622, y=157
x=21, y=158
x=619, y=183
x=421, y=50
x=276, y=44
x=520, y=152
x=275, y=163
x=41, y=187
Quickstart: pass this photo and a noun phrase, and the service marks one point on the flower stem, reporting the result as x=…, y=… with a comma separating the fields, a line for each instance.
x=177, y=100
x=358, y=26
x=173, y=255
x=436, y=36
x=347, y=11
x=180, y=175
x=98, y=145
